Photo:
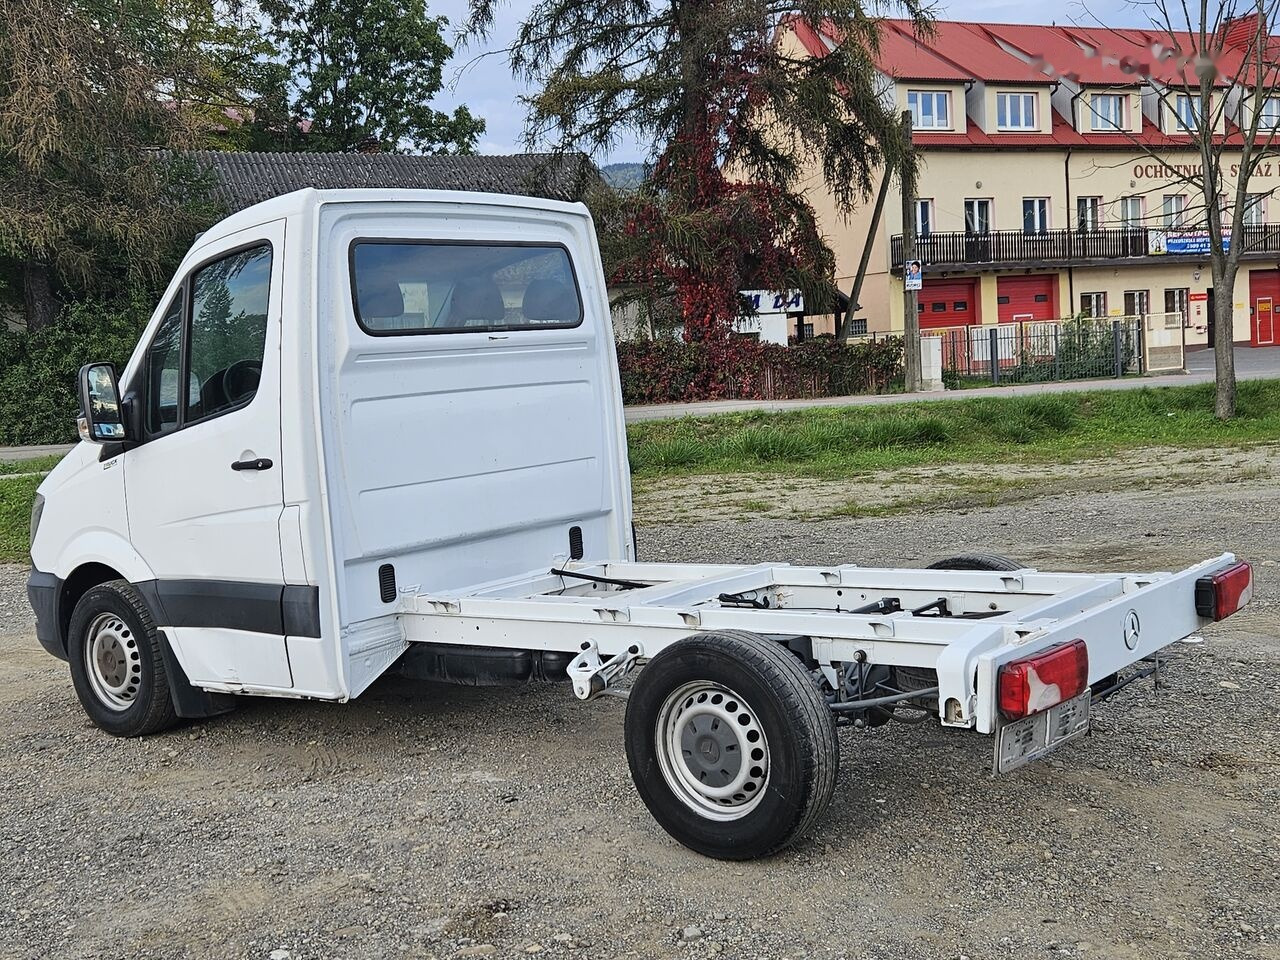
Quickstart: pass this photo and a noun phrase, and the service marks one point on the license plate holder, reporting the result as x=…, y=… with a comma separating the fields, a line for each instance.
x=1024, y=741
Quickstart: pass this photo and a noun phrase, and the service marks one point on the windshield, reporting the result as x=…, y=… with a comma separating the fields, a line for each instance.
x=433, y=286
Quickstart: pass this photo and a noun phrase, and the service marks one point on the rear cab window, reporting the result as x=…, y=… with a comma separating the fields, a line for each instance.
x=408, y=287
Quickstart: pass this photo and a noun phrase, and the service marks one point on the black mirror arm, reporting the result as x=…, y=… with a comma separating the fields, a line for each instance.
x=131, y=415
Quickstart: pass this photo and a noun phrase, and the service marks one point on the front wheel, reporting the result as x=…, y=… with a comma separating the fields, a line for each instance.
x=116, y=662
x=731, y=745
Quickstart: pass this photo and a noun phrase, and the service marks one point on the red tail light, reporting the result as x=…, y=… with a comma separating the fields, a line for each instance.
x=1221, y=594
x=1037, y=683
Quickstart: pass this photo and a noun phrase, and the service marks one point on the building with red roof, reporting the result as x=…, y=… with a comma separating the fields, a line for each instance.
x=1057, y=176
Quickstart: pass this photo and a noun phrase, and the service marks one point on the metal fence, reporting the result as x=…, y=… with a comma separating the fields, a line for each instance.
x=1039, y=351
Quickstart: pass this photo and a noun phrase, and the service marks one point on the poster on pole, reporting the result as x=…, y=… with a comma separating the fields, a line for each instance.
x=912, y=275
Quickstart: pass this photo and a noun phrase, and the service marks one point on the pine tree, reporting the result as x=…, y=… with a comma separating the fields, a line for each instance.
x=733, y=114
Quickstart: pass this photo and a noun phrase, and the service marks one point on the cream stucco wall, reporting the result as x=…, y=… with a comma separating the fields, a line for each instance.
x=950, y=176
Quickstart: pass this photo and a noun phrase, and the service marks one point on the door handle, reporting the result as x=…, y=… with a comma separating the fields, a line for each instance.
x=262, y=463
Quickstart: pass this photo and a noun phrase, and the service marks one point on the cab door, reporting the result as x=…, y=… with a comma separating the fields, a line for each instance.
x=203, y=487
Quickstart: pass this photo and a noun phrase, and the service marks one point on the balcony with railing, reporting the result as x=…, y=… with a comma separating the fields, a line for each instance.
x=1062, y=247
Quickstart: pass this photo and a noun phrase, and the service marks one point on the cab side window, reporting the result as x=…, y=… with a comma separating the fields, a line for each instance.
x=228, y=332
x=162, y=370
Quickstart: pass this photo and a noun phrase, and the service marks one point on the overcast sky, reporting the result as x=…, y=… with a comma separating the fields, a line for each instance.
x=484, y=82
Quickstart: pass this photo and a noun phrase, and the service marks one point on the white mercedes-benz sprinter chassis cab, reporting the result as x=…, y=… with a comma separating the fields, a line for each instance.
x=376, y=429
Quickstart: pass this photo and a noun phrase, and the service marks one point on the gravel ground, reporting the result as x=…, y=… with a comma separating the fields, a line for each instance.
x=424, y=821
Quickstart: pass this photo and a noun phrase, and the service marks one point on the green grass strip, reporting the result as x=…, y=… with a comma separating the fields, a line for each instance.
x=35, y=465
x=16, y=494
x=842, y=441
x=1061, y=427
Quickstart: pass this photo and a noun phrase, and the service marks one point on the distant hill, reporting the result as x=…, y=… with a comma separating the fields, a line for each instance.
x=623, y=176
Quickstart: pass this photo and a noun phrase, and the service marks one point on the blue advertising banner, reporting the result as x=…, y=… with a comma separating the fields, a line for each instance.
x=1187, y=242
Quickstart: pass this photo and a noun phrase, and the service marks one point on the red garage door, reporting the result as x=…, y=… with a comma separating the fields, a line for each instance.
x=1264, y=300
x=948, y=303
x=1027, y=298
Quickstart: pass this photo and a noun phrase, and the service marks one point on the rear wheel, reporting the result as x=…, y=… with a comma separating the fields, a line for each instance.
x=116, y=662
x=976, y=561
x=731, y=745
x=921, y=678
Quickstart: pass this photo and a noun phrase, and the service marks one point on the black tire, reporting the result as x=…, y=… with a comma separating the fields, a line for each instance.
x=921, y=678
x=976, y=561
x=140, y=703
x=765, y=683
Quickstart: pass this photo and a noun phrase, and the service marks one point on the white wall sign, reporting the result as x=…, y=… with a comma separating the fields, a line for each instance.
x=775, y=301
x=769, y=327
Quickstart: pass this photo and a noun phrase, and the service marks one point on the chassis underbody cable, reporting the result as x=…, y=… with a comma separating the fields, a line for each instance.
x=628, y=584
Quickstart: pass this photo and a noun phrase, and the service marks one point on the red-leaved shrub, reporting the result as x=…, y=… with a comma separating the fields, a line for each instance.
x=674, y=371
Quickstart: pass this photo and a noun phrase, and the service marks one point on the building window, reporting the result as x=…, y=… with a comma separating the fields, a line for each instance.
x=1187, y=113
x=1173, y=211
x=924, y=218
x=977, y=216
x=1175, y=300
x=1035, y=215
x=930, y=109
x=1108, y=111
x=858, y=327
x=1016, y=111
x=1255, y=210
x=1088, y=214
x=1131, y=214
x=1135, y=303
x=1269, y=113
x=1093, y=304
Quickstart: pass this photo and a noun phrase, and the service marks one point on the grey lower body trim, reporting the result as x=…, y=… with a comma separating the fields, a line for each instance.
x=272, y=608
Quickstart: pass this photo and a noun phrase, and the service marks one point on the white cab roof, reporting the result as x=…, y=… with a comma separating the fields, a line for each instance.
x=310, y=200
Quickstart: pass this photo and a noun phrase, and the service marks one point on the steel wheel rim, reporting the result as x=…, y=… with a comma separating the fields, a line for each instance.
x=712, y=750
x=113, y=662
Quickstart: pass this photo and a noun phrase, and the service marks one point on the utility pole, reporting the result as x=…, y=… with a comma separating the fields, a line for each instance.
x=910, y=311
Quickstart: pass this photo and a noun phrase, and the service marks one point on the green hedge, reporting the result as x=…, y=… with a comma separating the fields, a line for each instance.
x=673, y=371
x=38, y=370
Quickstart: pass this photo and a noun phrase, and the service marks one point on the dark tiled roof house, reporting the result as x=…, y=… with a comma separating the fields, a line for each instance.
x=243, y=179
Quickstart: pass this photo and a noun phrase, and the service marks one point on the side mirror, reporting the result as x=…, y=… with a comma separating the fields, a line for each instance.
x=101, y=417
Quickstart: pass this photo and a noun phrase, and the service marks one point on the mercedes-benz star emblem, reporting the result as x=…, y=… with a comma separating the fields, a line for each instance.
x=1132, y=629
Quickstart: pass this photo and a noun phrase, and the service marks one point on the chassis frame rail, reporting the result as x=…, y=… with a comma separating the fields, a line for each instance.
x=1020, y=611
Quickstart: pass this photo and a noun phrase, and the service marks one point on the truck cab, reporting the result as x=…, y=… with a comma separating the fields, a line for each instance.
x=343, y=393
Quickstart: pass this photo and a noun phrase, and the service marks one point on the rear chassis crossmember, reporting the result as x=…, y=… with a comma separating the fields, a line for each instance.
x=989, y=617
